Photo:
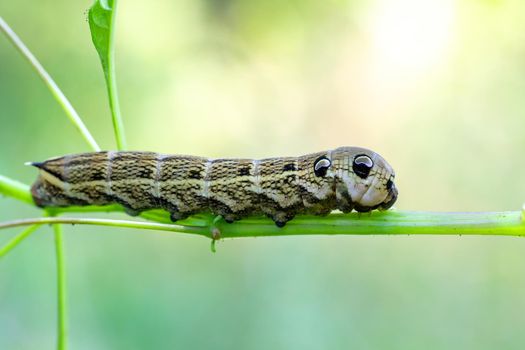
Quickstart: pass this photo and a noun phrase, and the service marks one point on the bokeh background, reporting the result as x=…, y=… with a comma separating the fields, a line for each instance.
x=435, y=86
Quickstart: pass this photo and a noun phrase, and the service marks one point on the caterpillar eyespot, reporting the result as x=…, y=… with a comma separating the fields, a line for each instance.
x=362, y=165
x=280, y=188
x=321, y=166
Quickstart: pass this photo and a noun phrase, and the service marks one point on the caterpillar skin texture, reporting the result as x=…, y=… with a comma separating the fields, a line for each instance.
x=347, y=178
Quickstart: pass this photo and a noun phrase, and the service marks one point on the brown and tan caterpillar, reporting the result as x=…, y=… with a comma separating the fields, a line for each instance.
x=345, y=178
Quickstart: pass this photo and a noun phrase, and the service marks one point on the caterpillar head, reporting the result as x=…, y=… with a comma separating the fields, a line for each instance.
x=364, y=180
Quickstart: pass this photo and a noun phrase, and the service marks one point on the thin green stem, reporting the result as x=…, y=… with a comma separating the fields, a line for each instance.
x=61, y=289
x=111, y=82
x=15, y=189
x=50, y=83
x=107, y=222
x=17, y=239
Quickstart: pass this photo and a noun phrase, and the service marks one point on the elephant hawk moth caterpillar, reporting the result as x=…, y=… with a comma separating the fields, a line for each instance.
x=347, y=178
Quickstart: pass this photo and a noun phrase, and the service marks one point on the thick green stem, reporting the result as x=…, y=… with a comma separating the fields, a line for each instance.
x=15, y=189
x=51, y=85
x=378, y=223
x=16, y=240
x=391, y=222
x=61, y=289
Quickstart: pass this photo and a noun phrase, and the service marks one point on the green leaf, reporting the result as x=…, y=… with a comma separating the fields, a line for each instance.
x=102, y=25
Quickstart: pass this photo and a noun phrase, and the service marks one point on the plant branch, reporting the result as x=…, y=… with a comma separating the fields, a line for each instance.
x=51, y=85
x=17, y=239
x=391, y=222
x=61, y=289
x=102, y=16
x=106, y=222
x=15, y=189
x=394, y=222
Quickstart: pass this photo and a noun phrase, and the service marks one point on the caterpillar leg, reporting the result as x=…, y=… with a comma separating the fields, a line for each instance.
x=347, y=208
x=127, y=208
x=364, y=209
x=344, y=200
x=230, y=218
x=318, y=210
x=177, y=215
x=132, y=212
x=281, y=217
x=219, y=208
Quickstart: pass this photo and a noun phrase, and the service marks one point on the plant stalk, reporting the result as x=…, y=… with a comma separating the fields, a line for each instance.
x=15, y=189
x=61, y=289
x=15, y=241
x=391, y=222
x=118, y=125
x=51, y=85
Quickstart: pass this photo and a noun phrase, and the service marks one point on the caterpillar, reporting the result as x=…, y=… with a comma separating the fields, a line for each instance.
x=347, y=178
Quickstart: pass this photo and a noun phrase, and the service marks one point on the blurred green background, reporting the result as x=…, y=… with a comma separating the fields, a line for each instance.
x=435, y=86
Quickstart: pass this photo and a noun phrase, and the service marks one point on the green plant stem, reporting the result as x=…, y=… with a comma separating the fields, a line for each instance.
x=106, y=222
x=111, y=82
x=102, y=16
x=394, y=222
x=378, y=223
x=15, y=189
x=50, y=83
x=391, y=222
x=61, y=289
x=17, y=239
